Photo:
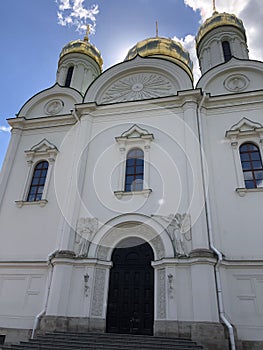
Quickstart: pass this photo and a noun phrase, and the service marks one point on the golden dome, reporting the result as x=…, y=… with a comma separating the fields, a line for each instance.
x=219, y=20
x=85, y=47
x=165, y=48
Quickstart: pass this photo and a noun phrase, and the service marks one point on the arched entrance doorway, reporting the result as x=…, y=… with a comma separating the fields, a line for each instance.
x=131, y=289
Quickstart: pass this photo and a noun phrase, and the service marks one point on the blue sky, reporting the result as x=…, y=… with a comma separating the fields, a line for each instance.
x=32, y=38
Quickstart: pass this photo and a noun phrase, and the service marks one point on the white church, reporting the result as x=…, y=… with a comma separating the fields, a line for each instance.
x=131, y=199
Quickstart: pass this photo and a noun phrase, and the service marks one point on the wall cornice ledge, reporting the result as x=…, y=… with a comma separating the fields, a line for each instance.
x=26, y=124
x=241, y=263
x=184, y=261
x=233, y=100
x=23, y=264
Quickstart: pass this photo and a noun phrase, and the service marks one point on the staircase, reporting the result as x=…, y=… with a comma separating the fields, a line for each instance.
x=103, y=341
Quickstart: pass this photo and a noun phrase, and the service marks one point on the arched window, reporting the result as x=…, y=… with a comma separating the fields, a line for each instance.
x=134, y=170
x=38, y=182
x=251, y=165
x=226, y=51
x=69, y=76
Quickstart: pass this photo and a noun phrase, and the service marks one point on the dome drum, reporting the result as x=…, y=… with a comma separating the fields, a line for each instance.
x=219, y=20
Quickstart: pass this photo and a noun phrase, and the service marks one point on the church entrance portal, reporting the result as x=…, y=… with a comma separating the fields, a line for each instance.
x=131, y=290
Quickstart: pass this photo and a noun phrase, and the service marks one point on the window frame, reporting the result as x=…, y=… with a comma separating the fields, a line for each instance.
x=36, y=182
x=227, y=52
x=134, y=173
x=245, y=131
x=43, y=151
x=69, y=76
x=133, y=138
x=249, y=153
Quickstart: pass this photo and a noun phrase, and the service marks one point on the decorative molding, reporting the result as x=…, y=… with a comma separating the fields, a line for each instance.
x=202, y=253
x=145, y=193
x=243, y=191
x=41, y=203
x=103, y=252
x=86, y=285
x=138, y=86
x=62, y=254
x=244, y=131
x=135, y=133
x=159, y=247
x=178, y=227
x=98, y=293
x=161, y=295
x=170, y=286
x=85, y=231
x=245, y=127
x=135, y=136
x=112, y=237
x=53, y=107
x=236, y=83
x=44, y=122
x=44, y=150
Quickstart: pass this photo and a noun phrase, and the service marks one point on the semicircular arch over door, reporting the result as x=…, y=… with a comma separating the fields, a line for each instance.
x=130, y=307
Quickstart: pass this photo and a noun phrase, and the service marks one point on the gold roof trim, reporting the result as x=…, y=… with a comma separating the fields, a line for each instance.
x=158, y=46
x=218, y=20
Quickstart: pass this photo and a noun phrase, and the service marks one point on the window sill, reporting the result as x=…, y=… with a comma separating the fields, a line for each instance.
x=120, y=194
x=243, y=191
x=41, y=203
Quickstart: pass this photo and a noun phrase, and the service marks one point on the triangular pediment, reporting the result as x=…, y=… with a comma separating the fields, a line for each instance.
x=244, y=127
x=42, y=149
x=135, y=132
x=43, y=146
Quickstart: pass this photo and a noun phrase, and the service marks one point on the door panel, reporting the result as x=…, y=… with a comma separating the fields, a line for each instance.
x=131, y=291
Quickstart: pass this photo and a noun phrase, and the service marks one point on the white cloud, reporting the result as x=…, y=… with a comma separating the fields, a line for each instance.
x=73, y=13
x=189, y=44
x=5, y=128
x=63, y=5
x=206, y=6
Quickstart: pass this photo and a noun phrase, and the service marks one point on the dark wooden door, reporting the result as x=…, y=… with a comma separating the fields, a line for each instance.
x=131, y=291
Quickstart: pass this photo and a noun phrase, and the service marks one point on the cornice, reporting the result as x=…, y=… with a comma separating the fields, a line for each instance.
x=232, y=101
x=169, y=102
x=23, y=264
x=241, y=263
x=23, y=123
x=184, y=262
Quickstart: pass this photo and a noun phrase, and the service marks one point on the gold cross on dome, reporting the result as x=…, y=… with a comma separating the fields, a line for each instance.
x=157, y=31
x=214, y=5
x=86, y=38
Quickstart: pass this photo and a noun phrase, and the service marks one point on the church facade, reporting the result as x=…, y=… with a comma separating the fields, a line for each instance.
x=131, y=200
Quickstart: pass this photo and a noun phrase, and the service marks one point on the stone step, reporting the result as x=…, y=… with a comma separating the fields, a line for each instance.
x=117, y=338
x=103, y=341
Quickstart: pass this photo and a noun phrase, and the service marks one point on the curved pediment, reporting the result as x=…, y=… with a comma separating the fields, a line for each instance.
x=138, y=79
x=57, y=100
x=235, y=76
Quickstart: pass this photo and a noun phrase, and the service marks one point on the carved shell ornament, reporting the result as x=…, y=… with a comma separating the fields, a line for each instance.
x=138, y=87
